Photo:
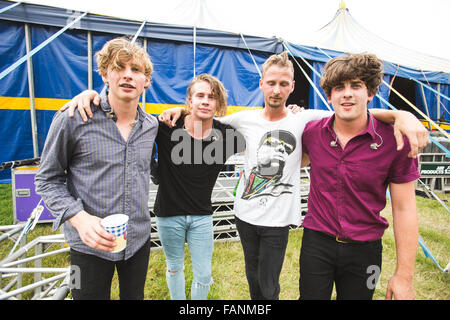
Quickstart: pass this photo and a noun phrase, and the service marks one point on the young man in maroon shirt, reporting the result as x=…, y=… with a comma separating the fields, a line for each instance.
x=353, y=160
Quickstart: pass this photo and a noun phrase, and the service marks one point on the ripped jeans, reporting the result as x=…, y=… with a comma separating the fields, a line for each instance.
x=197, y=231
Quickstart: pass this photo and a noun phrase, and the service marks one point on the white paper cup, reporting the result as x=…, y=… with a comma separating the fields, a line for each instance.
x=116, y=224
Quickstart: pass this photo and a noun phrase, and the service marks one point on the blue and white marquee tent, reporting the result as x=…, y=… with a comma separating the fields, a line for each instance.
x=47, y=57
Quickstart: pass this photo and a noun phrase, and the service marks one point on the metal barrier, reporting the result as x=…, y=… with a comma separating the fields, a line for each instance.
x=18, y=263
x=434, y=171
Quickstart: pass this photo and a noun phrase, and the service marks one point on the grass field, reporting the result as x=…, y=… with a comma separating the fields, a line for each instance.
x=228, y=262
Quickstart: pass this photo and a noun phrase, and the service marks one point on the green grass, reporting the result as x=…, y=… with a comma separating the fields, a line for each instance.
x=228, y=262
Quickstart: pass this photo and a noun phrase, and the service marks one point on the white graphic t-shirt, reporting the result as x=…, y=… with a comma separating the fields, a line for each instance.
x=269, y=189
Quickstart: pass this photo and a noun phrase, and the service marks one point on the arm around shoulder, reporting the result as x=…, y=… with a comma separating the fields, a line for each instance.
x=405, y=124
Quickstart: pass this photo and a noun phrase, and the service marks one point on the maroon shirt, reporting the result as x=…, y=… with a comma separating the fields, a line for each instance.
x=348, y=187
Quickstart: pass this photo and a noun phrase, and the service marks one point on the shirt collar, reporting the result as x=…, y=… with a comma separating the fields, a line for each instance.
x=107, y=109
x=328, y=124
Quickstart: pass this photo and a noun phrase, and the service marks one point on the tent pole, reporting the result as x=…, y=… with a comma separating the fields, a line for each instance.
x=89, y=43
x=31, y=92
x=195, y=44
x=430, y=88
x=438, y=116
x=424, y=100
x=145, y=91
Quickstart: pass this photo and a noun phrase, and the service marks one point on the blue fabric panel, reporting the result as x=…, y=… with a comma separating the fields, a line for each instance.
x=445, y=104
x=315, y=102
x=15, y=138
x=15, y=125
x=60, y=68
x=173, y=70
x=98, y=41
x=383, y=91
x=12, y=48
x=425, y=76
x=237, y=72
x=43, y=121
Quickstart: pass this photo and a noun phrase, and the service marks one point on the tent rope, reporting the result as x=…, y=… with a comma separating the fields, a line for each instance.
x=428, y=254
x=445, y=133
x=433, y=90
x=251, y=55
x=138, y=32
x=307, y=77
x=10, y=7
x=429, y=87
x=39, y=47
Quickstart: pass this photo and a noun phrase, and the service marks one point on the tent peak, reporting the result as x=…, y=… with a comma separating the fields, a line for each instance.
x=342, y=5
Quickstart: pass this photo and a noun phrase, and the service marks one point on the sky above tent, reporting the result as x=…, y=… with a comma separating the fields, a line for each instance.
x=419, y=25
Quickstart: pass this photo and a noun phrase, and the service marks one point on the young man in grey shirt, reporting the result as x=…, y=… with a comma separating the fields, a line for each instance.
x=92, y=170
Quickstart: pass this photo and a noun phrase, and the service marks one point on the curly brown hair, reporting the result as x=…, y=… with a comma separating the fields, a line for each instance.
x=364, y=66
x=217, y=89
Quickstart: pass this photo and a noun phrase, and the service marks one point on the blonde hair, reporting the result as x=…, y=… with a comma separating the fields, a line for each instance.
x=120, y=50
x=217, y=89
x=281, y=60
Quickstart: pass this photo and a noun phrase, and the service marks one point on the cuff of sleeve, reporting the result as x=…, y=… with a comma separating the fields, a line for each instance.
x=70, y=212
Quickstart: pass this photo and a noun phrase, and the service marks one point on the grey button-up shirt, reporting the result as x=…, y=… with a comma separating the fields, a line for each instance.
x=89, y=166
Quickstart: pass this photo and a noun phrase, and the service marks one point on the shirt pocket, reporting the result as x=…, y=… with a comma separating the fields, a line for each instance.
x=366, y=176
x=144, y=156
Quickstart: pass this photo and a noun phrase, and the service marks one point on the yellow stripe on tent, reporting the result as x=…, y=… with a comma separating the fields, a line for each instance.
x=17, y=103
x=427, y=125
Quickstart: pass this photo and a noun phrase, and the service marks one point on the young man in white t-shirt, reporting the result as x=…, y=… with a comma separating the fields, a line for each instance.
x=268, y=195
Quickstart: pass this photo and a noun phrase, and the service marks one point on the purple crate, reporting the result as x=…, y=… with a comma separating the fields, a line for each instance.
x=25, y=197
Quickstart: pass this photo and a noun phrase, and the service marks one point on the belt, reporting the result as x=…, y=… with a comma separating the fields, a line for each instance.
x=344, y=240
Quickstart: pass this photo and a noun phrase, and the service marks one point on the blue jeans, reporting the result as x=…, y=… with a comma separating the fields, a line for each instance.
x=197, y=231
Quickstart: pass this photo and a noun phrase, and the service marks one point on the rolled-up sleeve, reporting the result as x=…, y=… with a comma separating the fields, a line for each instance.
x=51, y=178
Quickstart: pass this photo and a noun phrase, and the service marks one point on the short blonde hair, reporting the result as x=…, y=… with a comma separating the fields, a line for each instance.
x=281, y=60
x=217, y=89
x=121, y=50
